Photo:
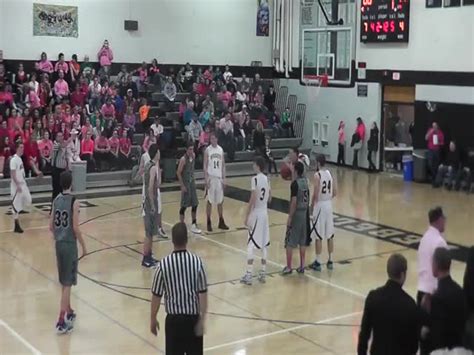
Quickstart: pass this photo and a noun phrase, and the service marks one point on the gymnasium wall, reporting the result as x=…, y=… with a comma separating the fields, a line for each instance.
x=332, y=105
x=440, y=40
x=173, y=31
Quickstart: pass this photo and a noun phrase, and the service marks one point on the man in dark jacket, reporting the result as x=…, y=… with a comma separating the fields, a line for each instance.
x=449, y=167
x=390, y=315
x=448, y=310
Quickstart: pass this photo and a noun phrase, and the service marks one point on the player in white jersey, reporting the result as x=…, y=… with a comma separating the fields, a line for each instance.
x=256, y=221
x=21, y=197
x=322, y=225
x=214, y=174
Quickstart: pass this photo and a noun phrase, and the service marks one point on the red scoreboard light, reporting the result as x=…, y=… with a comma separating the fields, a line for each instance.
x=384, y=20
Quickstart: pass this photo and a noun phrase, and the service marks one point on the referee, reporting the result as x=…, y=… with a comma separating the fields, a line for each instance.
x=181, y=278
x=59, y=163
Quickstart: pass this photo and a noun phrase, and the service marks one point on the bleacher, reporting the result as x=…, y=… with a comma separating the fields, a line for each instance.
x=116, y=182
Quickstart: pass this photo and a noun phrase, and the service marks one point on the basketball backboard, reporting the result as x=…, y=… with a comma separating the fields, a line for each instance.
x=327, y=52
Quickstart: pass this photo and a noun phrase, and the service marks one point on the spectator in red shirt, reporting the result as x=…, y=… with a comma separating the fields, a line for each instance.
x=44, y=91
x=114, y=143
x=108, y=110
x=357, y=141
x=87, y=151
x=32, y=157
x=435, y=141
x=125, y=161
x=45, y=147
x=102, y=151
x=74, y=68
x=78, y=97
x=7, y=151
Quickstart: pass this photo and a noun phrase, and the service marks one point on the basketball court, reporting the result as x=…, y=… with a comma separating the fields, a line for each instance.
x=320, y=312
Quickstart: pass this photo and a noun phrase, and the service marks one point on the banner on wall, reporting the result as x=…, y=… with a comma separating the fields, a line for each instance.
x=55, y=20
x=263, y=18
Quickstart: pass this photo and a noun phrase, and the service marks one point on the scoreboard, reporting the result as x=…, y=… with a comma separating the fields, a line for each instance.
x=384, y=20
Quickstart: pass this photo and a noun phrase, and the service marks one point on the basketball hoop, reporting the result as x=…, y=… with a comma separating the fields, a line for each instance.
x=316, y=80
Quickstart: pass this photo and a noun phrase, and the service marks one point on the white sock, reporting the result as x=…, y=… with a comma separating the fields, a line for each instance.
x=329, y=258
x=249, y=269
x=264, y=267
x=318, y=258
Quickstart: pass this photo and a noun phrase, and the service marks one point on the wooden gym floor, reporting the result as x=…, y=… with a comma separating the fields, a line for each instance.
x=317, y=313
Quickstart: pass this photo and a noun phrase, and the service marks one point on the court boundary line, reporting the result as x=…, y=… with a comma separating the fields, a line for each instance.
x=281, y=331
x=19, y=337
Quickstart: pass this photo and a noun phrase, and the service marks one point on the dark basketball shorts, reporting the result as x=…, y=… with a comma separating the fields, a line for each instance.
x=67, y=260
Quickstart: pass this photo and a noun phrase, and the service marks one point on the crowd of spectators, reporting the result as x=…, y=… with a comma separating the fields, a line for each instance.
x=98, y=113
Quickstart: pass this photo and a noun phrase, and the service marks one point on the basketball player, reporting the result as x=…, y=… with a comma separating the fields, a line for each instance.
x=256, y=221
x=20, y=194
x=214, y=174
x=189, y=197
x=145, y=158
x=297, y=233
x=64, y=224
x=322, y=227
x=151, y=204
x=295, y=156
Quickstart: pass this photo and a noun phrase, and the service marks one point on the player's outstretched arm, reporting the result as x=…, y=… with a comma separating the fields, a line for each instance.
x=75, y=226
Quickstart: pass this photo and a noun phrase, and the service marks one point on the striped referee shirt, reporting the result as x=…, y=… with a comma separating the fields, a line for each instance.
x=180, y=277
x=60, y=156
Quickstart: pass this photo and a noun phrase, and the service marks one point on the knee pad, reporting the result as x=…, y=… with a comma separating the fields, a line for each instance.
x=194, y=209
x=182, y=210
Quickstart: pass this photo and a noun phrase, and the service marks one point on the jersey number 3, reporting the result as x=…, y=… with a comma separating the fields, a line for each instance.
x=61, y=219
x=326, y=187
x=262, y=196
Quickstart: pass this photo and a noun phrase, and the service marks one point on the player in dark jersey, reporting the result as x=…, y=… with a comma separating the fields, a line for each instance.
x=297, y=234
x=64, y=224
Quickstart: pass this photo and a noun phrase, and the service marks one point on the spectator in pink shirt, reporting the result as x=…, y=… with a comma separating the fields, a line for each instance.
x=435, y=141
x=108, y=110
x=105, y=57
x=61, y=65
x=61, y=87
x=44, y=65
x=32, y=99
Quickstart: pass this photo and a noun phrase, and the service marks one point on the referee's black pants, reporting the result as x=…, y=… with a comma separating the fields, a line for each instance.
x=55, y=177
x=180, y=335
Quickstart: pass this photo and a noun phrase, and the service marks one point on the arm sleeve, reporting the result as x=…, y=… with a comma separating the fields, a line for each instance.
x=202, y=279
x=13, y=164
x=157, y=287
x=294, y=189
x=253, y=183
x=365, y=328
